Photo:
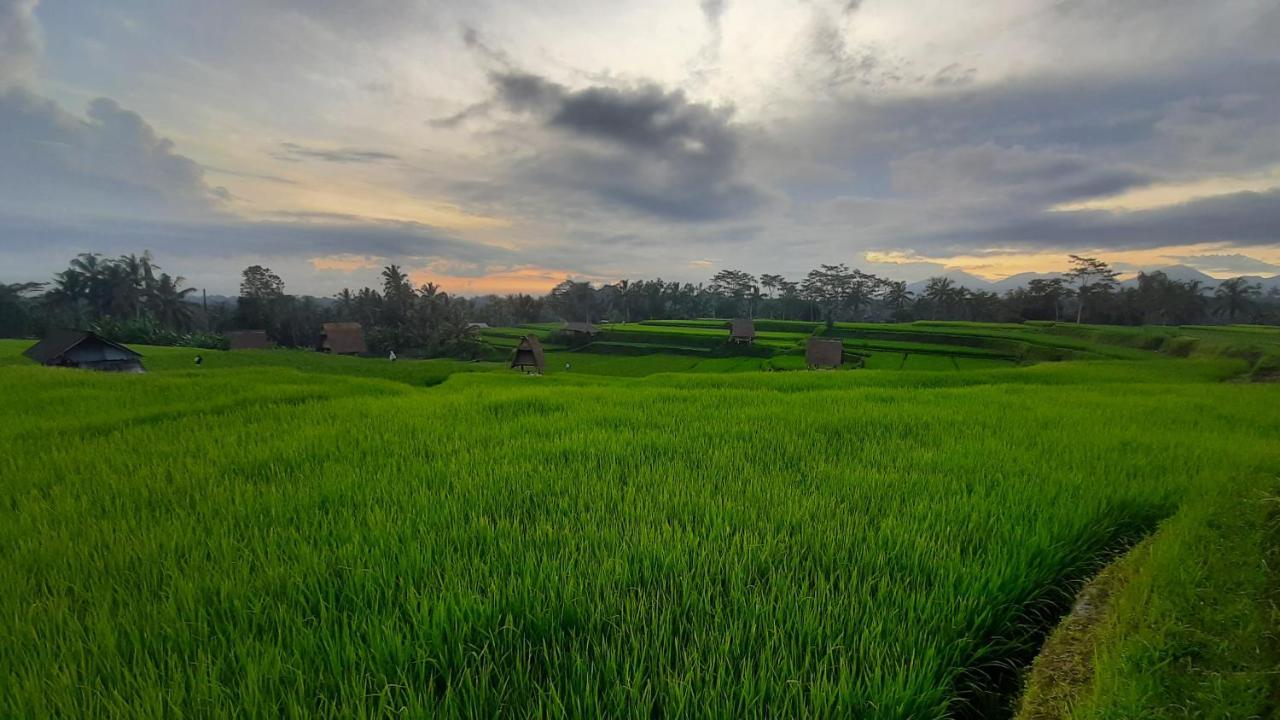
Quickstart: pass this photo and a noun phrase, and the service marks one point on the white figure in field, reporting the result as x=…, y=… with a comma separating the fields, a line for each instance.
x=391, y=356
x=566, y=366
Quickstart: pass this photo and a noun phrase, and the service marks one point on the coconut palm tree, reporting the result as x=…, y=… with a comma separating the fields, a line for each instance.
x=940, y=293
x=168, y=302
x=895, y=294
x=1236, y=296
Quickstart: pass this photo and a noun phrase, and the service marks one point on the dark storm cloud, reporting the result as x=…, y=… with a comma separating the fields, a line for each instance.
x=111, y=162
x=1218, y=116
x=641, y=147
x=1245, y=219
x=1016, y=173
x=303, y=236
x=294, y=152
x=980, y=166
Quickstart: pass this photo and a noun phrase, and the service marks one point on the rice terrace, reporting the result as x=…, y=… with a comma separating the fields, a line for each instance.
x=640, y=359
x=279, y=532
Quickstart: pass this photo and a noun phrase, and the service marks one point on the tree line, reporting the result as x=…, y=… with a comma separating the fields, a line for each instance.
x=132, y=299
x=1088, y=292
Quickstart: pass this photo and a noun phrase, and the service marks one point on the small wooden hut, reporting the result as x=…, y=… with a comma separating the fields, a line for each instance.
x=248, y=340
x=742, y=331
x=529, y=357
x=344, y=338
x=581, y=328
x=85, y=350
x=823, y=353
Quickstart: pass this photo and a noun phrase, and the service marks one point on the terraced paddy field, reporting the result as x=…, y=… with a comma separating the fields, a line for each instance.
x=701, y=345
x=660, y=534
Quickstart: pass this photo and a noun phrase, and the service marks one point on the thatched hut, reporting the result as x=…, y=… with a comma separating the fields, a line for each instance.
x=823, y=353
x=529, y=356
x=581, y=328
x=742, y=331
x=344, y=338
x=248, y=340
x=85, y=350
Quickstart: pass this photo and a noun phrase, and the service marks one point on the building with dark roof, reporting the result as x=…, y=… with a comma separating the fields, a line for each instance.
x=529, y=356
x=85, y=350
x=581, y=328
x=823, y=353
x=248, y=340
x=345, y=338
x=742, y=331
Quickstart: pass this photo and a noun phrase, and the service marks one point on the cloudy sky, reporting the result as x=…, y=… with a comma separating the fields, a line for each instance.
x=501, y=146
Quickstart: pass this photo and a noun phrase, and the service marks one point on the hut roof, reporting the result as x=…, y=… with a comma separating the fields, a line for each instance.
x=741, y=329
x=248, y=340
x=823, y=352
x=344, y=338
x=529, y=354
x=581, y=327
x=58, y=343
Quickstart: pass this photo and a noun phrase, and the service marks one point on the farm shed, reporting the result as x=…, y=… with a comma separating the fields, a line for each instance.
x=529, y=357
x=581, y=328
x=86, y=350
x=248, y=340
x=823, y=353
x=345, y=338
x=742, y=331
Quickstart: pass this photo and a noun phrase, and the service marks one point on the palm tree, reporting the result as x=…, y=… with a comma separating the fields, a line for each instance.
x=117, y=292
x=169, y=304
x=136, y=281
x=69, y=295
x=753, y=300
x=1236, y=296
x=626, y=292
x=15, y=308
x=346, y=304
x=939, y=293
x=896, y=295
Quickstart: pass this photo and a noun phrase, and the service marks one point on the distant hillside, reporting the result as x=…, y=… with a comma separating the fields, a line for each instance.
x=959, y=277
x=1182, y=273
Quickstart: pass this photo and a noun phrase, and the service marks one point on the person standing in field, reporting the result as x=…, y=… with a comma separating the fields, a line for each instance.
x=391, y=356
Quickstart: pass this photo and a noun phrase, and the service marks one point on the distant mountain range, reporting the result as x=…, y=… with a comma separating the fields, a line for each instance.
x=1181, y=273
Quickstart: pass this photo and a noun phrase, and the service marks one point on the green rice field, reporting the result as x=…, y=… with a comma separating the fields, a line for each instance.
x=662, y=529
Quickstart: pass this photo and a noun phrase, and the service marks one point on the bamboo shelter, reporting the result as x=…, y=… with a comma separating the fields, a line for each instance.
x=345, y=338
x=742, y=331
x=84, y=350
x=823, y=353
x=581, y=328
x=248, y=340
x=529, y=356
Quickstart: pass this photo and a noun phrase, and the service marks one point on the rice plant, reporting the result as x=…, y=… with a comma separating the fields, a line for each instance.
x=283, y=534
